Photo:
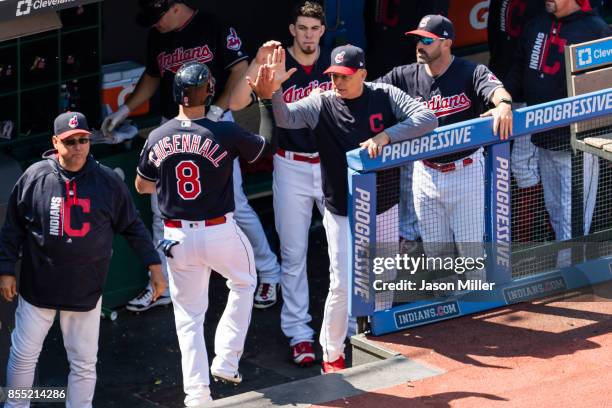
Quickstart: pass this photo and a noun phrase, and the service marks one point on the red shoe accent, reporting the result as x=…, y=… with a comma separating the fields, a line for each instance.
x=303, y=354
x=334, y=366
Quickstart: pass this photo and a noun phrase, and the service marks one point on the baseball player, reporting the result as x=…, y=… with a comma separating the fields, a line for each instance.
x=61, y=219
x=180, y=34
x=505, y=24
x=448, y=190
x=297, y=176
x=189, y=162
x=354, y=113
x=538, y=75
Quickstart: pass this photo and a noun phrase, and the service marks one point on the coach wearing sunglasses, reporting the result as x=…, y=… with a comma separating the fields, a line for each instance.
x=448, y=190
x=61, y=218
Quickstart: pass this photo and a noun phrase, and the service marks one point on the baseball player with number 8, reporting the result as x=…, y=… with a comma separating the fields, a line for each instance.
x=188, y=161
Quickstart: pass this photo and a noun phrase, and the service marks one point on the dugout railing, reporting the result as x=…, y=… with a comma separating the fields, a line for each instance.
x=540, y=266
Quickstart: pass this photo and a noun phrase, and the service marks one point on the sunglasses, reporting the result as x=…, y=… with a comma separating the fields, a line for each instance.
x=428, y=41
x=73, y=142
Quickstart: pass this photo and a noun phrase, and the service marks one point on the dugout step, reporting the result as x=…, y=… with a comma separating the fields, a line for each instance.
x=330, y=387
x=366, y=351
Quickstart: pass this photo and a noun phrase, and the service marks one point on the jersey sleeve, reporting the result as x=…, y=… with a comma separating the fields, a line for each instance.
x=297, y=115
x=247, y=145
x=413, y=118
x=230, y=47
x=152, y=67
x=393, y=77
x=145, y=168
x=513, y=80
x=485, y=82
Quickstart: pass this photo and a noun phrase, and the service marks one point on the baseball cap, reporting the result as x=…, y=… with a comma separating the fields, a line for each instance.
x=435, y=26
x=346, y=60
x=152, y=10
x=70, y=123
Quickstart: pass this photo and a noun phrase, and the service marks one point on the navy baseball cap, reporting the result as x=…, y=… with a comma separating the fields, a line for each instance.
x=70, y=123
x=435, y=26
x=346, y=60
x=151, y=11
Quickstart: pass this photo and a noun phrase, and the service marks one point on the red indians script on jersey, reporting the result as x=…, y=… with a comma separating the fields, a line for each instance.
x=172, y=62
x=186, y=143
x=295, y=93
x=447, y=105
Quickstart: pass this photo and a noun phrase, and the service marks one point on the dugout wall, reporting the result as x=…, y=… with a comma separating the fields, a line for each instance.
x=546, y=261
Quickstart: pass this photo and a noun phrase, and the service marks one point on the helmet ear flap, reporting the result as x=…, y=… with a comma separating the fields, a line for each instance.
x=211, y=91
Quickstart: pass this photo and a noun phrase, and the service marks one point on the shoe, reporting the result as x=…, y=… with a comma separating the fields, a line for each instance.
x=144, y=301
x=334, y=366
x=303, y=354
x=226, y=379
x=265, y=295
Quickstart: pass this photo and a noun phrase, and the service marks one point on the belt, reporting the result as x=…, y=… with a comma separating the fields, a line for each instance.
x=208, y=223
x=298, y=157
x=446, y=167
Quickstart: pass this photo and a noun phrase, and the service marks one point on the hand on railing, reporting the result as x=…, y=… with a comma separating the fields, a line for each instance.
x=376, y=144
x=502, y=120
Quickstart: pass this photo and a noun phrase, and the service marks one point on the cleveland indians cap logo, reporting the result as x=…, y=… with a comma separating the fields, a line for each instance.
x=339, y=57
x=233, y=41
x=424, y=21
x=73, y=122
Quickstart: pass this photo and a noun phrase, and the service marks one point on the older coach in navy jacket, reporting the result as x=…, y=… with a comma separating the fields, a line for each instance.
x=62, y=215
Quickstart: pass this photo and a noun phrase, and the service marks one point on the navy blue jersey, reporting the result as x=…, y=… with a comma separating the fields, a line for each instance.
x=460, y=93
x=203, y=39
x=297, y=87
x=538, y=74
x=191, y=163
x=504, y=28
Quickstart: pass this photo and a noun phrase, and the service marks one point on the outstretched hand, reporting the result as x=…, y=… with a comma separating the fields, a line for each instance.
x=265, y=50
x=264, y=85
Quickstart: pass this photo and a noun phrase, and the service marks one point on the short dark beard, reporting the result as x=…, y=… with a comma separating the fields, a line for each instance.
x=308, y=52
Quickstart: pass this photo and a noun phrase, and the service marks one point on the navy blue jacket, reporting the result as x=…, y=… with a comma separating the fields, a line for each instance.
x=538, y=72
x=63, y=225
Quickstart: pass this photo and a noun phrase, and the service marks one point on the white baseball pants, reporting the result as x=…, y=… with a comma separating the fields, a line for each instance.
x=524, y=159
x=335, y=315
x=387, y=245
x=408, y=223
x=556, y=173
x=524, y=162
x=296, y=188
x=450, y=207
x=201, y=249
x=80, y=331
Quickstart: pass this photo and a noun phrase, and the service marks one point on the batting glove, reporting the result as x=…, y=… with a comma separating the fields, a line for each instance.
x=166, y=246
x=111, y=121
x=214, y=113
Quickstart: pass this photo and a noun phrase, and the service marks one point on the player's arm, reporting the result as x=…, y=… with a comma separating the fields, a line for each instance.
x=146, y=172
x=241, y=95
x=144, y=186
x=145, y=89
x=267, y=86
x=492, y=91
x=236, y=76
x=414, y=120
x=12, y=236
